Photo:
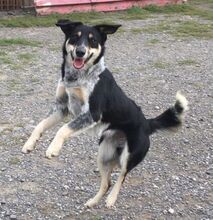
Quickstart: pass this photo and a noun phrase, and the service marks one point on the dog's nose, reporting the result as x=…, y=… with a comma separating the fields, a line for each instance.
x=80, y=51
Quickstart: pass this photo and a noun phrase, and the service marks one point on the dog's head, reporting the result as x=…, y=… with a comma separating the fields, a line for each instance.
x=84, y=45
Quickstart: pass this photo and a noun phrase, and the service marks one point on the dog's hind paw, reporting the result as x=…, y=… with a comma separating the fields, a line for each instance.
x=110, y=202
x=51, y=153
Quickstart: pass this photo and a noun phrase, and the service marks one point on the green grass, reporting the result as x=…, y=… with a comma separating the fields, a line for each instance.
x=193, y=8
x=160, y=65
x=187, y=62
x=153, y=41
x=160, y=27
x=14, y=161
x=193, y=29
x=25, y=57
x=50, y=20
x=183, y=29
x=136, y=30
x=2, y=53
x=19, y=41
x=5, y=60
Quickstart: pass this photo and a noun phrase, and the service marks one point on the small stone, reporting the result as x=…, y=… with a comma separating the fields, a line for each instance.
x=209, y=172
x=171, y=211
x=32, y=121
x=2, y=202
x=164, y=212
x=64, y=193
x=77, y=188
x=175, y=177
x=7, y=213
x=157, y=107
x=3, y=169
x=13, y=217
x=185, y=141
x=96, y=170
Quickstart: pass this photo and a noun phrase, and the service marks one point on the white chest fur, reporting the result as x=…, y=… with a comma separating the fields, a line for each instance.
x=80, y=89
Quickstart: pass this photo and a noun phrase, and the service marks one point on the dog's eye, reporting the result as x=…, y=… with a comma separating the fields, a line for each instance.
x=74, y=38
x=93, y=40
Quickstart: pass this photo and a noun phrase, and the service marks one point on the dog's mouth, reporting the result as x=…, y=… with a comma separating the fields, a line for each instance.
x=79, y=63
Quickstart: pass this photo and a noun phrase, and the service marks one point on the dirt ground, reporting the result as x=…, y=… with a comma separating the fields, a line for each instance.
x=175, y=179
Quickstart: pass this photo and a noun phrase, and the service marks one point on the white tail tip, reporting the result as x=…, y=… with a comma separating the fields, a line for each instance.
x=183, y=101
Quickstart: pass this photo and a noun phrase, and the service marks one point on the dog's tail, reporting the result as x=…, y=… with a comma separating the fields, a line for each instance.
x=172, y=118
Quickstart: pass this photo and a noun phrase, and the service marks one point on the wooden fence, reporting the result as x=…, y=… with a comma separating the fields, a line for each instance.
x=7, y=5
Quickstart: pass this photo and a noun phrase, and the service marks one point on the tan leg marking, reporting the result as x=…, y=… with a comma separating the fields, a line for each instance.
x=104, y=187
x=112, y=197
x=39, y=129
x=58, y=141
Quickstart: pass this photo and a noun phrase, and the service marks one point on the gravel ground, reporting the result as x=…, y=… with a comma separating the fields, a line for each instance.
x=175, y=179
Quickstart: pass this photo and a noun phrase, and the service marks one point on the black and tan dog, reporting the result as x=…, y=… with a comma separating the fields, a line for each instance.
x=88, y=93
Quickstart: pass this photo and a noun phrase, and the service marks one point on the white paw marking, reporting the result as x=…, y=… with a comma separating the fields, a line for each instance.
x=51, y=153
x=110, y=201
x=90, y=203
x=28, y=147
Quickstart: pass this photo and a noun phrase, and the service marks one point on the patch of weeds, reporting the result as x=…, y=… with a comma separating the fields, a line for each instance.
x=34, y=80
x=2, y=53
x=55, y=48
x=14, y=161
x=50, y=20
x=160, y=65
x=187, y=62
x=153, y=41
x=20, y=125
x=136, y=30
x=193, y=29
x=25, y=57
x=14, y=84
x=16, y=66
x=6, y=60
x=182, y=29
x=183, y=9
x=170, y=8
x=96, y=217
x=161, y=27
x=134, y=13
x=116, y=70
x=121, y=30
x=19, y=41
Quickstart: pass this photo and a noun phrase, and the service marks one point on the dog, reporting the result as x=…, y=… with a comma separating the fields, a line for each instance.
x=89, y=94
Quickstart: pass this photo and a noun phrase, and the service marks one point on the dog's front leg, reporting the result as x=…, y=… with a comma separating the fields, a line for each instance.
x=82, y=122
x=59, y=111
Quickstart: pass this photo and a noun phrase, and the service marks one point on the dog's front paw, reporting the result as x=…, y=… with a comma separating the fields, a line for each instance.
x=28, y=147
x=51, y=152
x=90, y=203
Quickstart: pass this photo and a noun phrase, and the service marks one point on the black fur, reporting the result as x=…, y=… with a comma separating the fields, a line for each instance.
x=110, y=102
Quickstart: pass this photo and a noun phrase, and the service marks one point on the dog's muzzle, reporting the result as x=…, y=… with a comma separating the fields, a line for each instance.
x=79, y=60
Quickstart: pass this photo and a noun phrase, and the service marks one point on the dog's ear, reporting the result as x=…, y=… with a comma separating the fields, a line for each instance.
x=67, y=26
x=107, y=28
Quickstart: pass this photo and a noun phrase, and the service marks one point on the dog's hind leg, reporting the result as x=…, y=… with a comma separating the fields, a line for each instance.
x=107, y=159
x=112, y=197
x=132, y=154
x=54, y=118
x=105, y=172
